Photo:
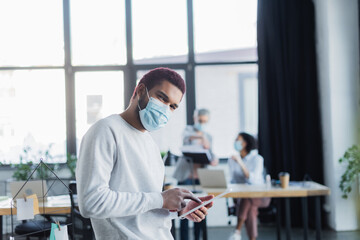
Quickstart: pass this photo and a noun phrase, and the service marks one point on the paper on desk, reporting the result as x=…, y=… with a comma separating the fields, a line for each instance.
x=36, y=203
x=27, y=209
x=57, y=234
x=3, y=198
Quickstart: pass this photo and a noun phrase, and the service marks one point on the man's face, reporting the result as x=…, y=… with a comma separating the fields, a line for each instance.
x=165, y=92
x=202, y=119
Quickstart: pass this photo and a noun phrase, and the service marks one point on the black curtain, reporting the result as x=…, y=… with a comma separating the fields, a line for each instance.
x=289, y=115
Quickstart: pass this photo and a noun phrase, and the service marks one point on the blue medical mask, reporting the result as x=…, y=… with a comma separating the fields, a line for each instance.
x=155, y=115
x=238, y=146
x=200, y=126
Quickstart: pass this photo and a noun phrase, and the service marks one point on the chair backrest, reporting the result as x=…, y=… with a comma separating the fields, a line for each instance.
x=80, y=225
x=73, y=191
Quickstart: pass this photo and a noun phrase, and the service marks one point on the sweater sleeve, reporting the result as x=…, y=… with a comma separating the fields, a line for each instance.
x=256, y=171
x=231, y=170
x=93, y=172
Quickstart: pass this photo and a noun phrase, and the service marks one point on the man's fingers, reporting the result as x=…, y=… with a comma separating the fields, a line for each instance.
x=203, y=210
x=195, y=217
x=200, y=214
x=183, y=204
x=206, y=198
x=209, y=205
x=190, y=195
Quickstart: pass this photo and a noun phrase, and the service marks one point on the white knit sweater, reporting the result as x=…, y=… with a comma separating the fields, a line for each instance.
x=119, y=178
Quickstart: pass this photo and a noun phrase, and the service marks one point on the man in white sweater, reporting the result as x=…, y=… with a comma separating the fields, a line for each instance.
x=120, y=172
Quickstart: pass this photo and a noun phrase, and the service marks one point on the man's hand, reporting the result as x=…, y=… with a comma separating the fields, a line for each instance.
x=174, y=199
x=199, y=214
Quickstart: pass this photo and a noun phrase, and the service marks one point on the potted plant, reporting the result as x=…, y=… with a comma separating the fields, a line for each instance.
x=352, y=172
x=28, y=162
x=71, y=164
x=23, y=169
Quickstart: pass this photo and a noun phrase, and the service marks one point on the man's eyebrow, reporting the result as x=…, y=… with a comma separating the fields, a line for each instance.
x=166, y=98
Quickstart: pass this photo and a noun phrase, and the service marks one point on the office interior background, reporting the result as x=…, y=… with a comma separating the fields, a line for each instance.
x=291, y=81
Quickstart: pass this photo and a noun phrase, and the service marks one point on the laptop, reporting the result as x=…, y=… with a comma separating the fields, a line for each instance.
x=212, y=178
x=31, y=187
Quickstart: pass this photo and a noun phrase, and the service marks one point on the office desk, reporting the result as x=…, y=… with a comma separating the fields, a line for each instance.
x=54, y=205
x=302, y=190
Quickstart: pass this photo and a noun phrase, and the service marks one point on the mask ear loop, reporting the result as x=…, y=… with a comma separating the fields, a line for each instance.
x=147, y=93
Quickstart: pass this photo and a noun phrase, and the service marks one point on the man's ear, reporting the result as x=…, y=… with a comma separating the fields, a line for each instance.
x=140, y=89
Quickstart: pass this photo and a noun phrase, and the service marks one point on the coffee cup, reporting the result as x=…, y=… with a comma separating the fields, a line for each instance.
x=284, y=179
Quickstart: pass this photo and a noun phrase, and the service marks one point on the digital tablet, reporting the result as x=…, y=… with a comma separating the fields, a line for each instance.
x=204, y=204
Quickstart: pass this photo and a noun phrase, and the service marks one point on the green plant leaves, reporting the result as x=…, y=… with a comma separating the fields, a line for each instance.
x=24, y=169
x=352, y=172
x=71, y=163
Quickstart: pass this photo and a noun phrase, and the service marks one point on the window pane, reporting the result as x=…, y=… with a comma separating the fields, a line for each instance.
x=32, y=104
x=98, y=32
x=159, y=31
x=225, y=30
x=31, y=33
x=231, y=95
x=98, y=95
x=170, y=136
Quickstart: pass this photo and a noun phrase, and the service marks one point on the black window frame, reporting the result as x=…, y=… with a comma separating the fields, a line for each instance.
x=129, y=69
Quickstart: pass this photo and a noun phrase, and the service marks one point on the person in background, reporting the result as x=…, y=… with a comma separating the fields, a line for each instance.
x=185, y=172
x=120, y=172
x=247, y=167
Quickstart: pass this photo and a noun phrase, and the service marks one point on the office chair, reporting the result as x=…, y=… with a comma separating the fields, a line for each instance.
x=34, y=228
x=39, y=228
x=80, y=226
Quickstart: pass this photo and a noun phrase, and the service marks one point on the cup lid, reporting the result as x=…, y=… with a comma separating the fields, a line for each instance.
x=284, y=174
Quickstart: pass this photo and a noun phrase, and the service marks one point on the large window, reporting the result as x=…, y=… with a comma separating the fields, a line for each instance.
x=230, y=94
x=65, y=64
x=225, y=31
x=159, y=31
x=98, y=95
x=32, y=104
x=31, y=33
x=98, y=32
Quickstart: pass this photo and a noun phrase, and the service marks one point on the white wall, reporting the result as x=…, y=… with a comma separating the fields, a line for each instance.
x=338, y=63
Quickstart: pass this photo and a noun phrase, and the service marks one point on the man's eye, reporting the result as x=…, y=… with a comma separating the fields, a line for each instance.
x=172, y=107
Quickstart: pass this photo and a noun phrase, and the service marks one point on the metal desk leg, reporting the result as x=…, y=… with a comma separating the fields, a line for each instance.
x=318, y=217
x=287, y=219
x=1, y=227
x=305, y=217
x=278, y=218
x=204, y=229
x=173, y=230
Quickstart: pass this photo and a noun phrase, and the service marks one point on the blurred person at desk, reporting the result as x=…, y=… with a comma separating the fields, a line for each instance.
x=247, y=167
x=186, y=171
x=120, y=172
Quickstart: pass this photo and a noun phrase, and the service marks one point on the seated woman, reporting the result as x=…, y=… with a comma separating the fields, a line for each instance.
x=247, y=167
